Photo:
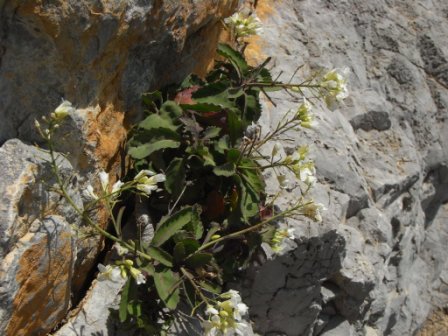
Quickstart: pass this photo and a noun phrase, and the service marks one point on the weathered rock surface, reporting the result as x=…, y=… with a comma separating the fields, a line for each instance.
x=100, y=55
x=382, y=163
x=38, y=246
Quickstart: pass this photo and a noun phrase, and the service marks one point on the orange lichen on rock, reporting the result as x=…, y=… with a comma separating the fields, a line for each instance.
x=42, y=277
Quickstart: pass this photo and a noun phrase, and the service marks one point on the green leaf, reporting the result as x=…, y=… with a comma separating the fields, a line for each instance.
x=233, y=155
x=135, y=308
x=175, y=177
x=160, y=255
x=150, y=98
x=210, y=287
x=169, y=226
x=227, y=169
x=191, y=245
x=252, y=108
x=167, y=286
x=211, y=133
x=222, y=144
x=179, y=252
x=171, y=109
x=235, y=126
x=205, y=154
x=196, y=226
x=145, y=150
x=123, y=309
x=198, y=259
x=211, y=231
x=252, y=175
x=155, y=121
x=234, y=57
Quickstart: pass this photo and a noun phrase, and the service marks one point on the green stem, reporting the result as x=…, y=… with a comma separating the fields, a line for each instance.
x=249, y=229
x=196, y=288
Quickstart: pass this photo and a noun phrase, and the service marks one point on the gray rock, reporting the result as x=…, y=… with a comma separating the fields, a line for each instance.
x=381, y=157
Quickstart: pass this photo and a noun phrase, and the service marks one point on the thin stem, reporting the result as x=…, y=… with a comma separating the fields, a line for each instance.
x=249, y=229
x=196, y=288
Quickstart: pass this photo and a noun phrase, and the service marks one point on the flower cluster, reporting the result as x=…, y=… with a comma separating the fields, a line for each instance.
x=225, y=318
x=304, y=115
x=122, y=269
x=281, y=235
x=313, y=210
x=335, y=84
x=147, y=181
x=243, y=26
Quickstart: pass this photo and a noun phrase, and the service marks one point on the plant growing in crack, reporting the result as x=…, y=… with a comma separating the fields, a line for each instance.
x=198, y=167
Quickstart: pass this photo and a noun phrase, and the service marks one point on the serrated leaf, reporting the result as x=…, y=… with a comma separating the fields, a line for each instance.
x=146, y=150
x=123, y=309
x=169, y=226
x=235, y=126
x=227, y=169
x=211, y=132
x=234, y=57
x=198, y=260
x=222, y=145
x=167, y=286
x=252, y=108
x=210, y=287
x=155, y=121
x=160, y=255
x=196, y=226
x=171, y=109
x=150, y=98
x=191, y=245
x=179, y=252
x=175, y=177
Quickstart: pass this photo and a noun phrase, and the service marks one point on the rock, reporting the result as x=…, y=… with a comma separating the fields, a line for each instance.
x=381, y=157
x=38, y=245
x=94, y=316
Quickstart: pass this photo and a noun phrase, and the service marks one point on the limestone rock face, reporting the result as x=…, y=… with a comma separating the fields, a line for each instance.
x=101, y=56
x=381, y=160
x=38, y=245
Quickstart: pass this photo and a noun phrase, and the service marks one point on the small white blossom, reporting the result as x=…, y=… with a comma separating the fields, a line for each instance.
x=137, y=275
x=225, y=319
x=111, y=273
x=147, y=181
x=282, y=235
x=335, y=82
x=313, y=210
x=121, y=251
x=283, y=181
x=89, y=193
x=308, y=175
x=63, y=110
x=117, y=187
x=104, y=179
x=244, y=25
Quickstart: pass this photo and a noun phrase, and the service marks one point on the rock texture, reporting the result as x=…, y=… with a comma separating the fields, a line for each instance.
x=38, y=246
x=377, y=264
x=100, y=55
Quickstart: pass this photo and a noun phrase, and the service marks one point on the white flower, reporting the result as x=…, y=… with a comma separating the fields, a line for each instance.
x=283, y=181
x=142, y=173
x=303, y=114
x=63, y=110
x=89, y=193
x=308, y=175
x=313, y=210
x=121, y=250
x=148, y=184
x=244, y=25
x=104, y=179
x=241, y=309
x=137, y=275
x=335, y=82
x=211, y=310
x=109, y=272
x=281, y=237
x=117, y=186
